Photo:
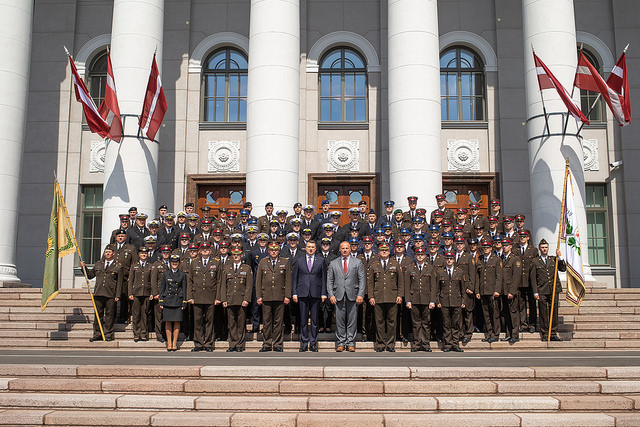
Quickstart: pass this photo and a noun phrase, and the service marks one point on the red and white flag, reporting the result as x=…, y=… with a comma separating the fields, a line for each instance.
x=547, y=80
x=619, y=81
x=94, y=119
x=588, y=78
x=155, y=104
x=109, y=109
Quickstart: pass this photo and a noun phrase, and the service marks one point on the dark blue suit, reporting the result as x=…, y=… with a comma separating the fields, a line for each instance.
x=309, y=286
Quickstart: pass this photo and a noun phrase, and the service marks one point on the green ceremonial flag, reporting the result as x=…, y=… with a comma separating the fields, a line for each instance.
x=60, y=242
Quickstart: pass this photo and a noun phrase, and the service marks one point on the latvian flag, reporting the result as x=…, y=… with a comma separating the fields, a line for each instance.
x=109, y=109
x=155, y=104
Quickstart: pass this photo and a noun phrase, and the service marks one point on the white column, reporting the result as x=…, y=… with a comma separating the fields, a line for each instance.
x=273, y=103
x=415, y=164
x=549, y=26
x=131, y=167
x=15, y=50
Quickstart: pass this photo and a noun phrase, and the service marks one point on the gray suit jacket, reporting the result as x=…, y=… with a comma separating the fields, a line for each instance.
x=351, y=285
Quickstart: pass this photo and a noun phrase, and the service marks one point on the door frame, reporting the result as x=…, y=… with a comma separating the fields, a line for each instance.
x=482, y=178
x=370, y=179
x=194, y=181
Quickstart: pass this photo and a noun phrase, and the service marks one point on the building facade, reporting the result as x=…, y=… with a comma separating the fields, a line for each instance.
x=302, y=100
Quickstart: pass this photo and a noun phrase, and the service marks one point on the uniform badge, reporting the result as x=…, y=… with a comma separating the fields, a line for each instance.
x=518, y=264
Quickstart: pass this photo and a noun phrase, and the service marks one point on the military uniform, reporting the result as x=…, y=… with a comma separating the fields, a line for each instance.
x=126, y=254
x=204, y=291
x=108, y=287
x=450, y=296
x=542, y=284
x=437, y=326
x=420, y=291
x=273, y=285
x=468, y=264
x=157, y=269
x=511, y=277
x=489, y=281
x=253, y=260
x=525, y=291
x=385, y=285
x=140, y=290
x=235, y=288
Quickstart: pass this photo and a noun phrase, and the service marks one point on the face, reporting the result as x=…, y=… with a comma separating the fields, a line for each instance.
x=519, y=223
x=368, y=246
x=493, y=225
x=450, y=262
x=495, y=208
x=268, y=210
x=433, y=249
x=413, y=204
x=325, y=247
x=461, y=216
x=184, y=241
x=236, y=258
x=335, y=220
x=474, y=211
x=141, y=222
x=441, y=203
x=143, y=256
x=384, y=254
x=310, y=249
x=297, y=210
x=507, y=248
x=460, y=247
x=398, y=216
x=308, y=214
x=188, y=209
x=273, y=253
x=262, y=243
x=205, y=252
x=165, y=255
x=168, y=222
x=418, y=243
x=486, y=250
x=389, y=209
x=124, y=223
x=206, y=228
x=363, y=208
x=448, y=241
x=175, y=264
x=508, y=225
x=217, y=237
x=293, y=243
x=325, y=208
x=193, y=223
x=372, y=218
x=252, y=235
x=544, y=249
x=163, y=211
x=399, y=250
x=120, y=238
x=150, y=245
x=224, y=250
x=421, y=257
x=473, y=247
x=132, y=214
x=182, y=219
x=345, y=249
x=108, y=254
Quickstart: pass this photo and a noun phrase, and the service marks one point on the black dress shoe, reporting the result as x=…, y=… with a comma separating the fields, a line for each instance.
x=446, y=349
x=492, y=339
x=314, y=348
x=136, y=340
x=303, y=348
x=196, y=349
x=264, y=349
x=428, y=349
x=168, y=349
x=108, y=339
x=278, y=349
x=379, y=350
x=457, y=349
x=486, y=339
x=413, y=350
x=208, y=349
x=239, y=349
x=532, y=330
x=92, y=339
x=505, y=339
x=514, y=340
x=231, y=350
x=555, y=338
x=391, y=350
x=466, y=340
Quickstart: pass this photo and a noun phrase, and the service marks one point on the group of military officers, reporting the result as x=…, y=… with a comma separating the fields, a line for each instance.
x=440, y=277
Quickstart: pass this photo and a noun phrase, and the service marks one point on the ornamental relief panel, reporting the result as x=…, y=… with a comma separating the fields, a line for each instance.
x=463, y=155
x=590, y=155
x=343, y=156
x=97, y=156
x=224, y=156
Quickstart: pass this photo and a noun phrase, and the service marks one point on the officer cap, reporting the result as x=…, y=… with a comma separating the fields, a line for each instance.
x=418, y=237
x=182, y=214
x=133, y=209
x=520, y=217
x=354, y=241
x=372, y=211
x=217, y=231
x=327, y=226
x=247, y=204
x=185, y=236
x=150, y=239
x=143, y=249
x=367, y=239
x=297, y=205
x=175, y=258
x=273, y=222
x=165, y=248
x=163, y=207
x=459, y=240
x=244, y=212
x=281, y=232
x=493, y=219
x=397, y=211
x=170, y=216
x=223, y=244
x=434, y=227
x=497, y=239
x=507, y=219
x=420, y=251
x=205, y=245
x=263, y=236
x=193, y=217
x=412, y=199
x=308, y=208
x=433, y=243
x=223, y=209
x=336, y=213
x=387, y=226
x=462, y=211
x=506, y=241
x=473, y=205
x=405, y=230
x=274, y=245
x=543, y=242
x=236, y=237
x=124, y=217
x=142, y=216
x=422, y=211
x=307, y=231
x=362, y=202
x=206, y=222
x=378, y=230
x=449, y=254
x=231, y=214
x=495, y=202
x=205, y=208
x=282, y=212
x=295, y=221
x=398, y=243
x=354, y=211
x=472, y=241
x=458, y=228
x=523, y=233
x=446, y=223
x=236, y=251
x=110, y=247
x=325, y=241
x=447, y=235
x=324, y=202
x=188, y=204
x=252, y=221
x=389, y=203
x=194, y=246
x=485, y=243
x=383, y=247
x=154, y=224
x=268, y=204
x=441, y=197
x=292, y=236
x=252, y=229
x=418, y=219
x=121, y=231
x=438, y=213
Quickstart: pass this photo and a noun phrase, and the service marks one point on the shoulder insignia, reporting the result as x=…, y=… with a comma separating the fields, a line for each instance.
x=517, y=263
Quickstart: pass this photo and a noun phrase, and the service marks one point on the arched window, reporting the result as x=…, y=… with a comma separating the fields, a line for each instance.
x=343, y=86
x=224, y=86
x=587, y=98
x=462, y=87
x=97, y=77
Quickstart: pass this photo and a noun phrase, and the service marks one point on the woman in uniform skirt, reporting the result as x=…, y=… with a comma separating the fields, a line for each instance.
x=172, y=300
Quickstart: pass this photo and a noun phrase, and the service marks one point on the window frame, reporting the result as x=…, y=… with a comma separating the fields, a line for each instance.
x=459, y=71
x=96, y=214
x=591, y=210
x=227, y=72
x=343, y=72
x=92, y=74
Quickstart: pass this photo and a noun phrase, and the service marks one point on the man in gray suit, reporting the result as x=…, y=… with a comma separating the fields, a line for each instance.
x=346, y=281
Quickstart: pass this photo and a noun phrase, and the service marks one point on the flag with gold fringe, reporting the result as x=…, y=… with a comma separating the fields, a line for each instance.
x=570, y=241
x=60, y=242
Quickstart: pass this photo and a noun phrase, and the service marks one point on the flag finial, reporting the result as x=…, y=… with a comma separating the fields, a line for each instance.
x=67, y=51
x=567, y=161
x=625, y=48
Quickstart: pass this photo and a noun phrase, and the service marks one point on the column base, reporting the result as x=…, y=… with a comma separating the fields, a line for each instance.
x=8, y=275
x=14, y=284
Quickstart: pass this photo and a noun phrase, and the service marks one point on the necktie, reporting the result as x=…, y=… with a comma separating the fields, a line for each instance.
x=106, y=266
x=235, y=268
x=384, y=265
x=309, y=263
x=273, y=264
x=367, y=257
x=119, y=246
x=143, y=264
x=204, y=262
x=344, y=261
x=449, y=270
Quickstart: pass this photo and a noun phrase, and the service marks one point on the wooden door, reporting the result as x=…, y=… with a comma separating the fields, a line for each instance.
x=218, y=196
x=460, y=195
x=343, y=197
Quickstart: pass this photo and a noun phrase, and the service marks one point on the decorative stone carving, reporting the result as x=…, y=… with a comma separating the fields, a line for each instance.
x=344, y=156
x=590, y=154
x=98, y=152
x=463, y=155
x=224, y=156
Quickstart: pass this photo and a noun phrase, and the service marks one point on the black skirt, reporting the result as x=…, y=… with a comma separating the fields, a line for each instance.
x=172, y=314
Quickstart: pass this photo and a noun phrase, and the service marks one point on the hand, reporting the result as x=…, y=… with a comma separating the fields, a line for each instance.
x=216, y=302
x=131, y=297
x=224, y=304
x=324, y=298
x=182, y=307
x=245, y=303
x=409, y=305
x=477, y=296
x=82, y=264
x=432, y=306
x=510, y=296
x=156, y=296
x=191, y=301
x=536, y=296
x=161, y=307
x=295, y=298
x=372, y=301
x=117, y=299
x=398, y=300
x=462, y=306
x=150, y=297
x=469, y=291
x=359, y=300
x=558, y=253
x=439, y=305
x=496, y=294
x=259, y=301
x=286, y=301
x=333, y=300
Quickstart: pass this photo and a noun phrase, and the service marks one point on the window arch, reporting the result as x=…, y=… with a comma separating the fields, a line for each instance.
x=97, y=77
x=343, y=86
x=462, y=85
x=587, y=98
x=224, y=86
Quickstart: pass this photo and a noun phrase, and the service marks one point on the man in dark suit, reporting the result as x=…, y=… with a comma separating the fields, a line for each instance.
x=309, y=283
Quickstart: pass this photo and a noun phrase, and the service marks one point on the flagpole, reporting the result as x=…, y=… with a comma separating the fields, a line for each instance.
x=573, y=88
x=86, y=278
x=555, y=271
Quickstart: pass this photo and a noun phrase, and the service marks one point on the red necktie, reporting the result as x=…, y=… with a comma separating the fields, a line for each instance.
x=344, y=260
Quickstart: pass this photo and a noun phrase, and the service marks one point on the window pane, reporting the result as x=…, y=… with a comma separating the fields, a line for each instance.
x=453, y=109
x=243, y=85
x=349, y=110
x=242, y=114
x=330, y=59
x=236, y=197
x=361, y=110
x=360, y=85
x=217, y=60
x=465, y=84
x=233, y=110
x=238, y=61
x=331, y=196
x=467, y=107
x=219, y=85
x=336, y=85
x=467, y=59
x=325, y=110
x=325, y=84
x=448, y=59
x=353, y=58
x=219, y=117
x=234, y=82
x=349, y=84
x=335, y=110
x=452, y=84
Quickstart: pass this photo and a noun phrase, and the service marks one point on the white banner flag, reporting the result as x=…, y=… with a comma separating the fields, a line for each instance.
x=570, y=239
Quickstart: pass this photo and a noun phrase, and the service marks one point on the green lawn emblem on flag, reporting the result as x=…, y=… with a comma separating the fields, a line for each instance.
x=60, y=242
